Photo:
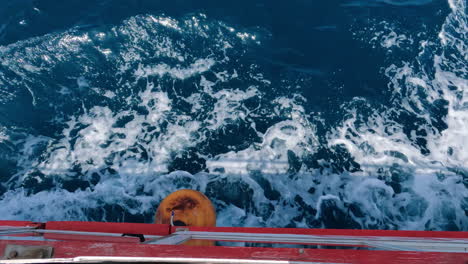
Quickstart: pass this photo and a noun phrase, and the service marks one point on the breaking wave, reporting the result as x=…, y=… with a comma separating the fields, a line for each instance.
x=101, y=123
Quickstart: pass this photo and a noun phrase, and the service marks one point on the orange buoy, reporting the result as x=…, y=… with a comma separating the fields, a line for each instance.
x=189, y=208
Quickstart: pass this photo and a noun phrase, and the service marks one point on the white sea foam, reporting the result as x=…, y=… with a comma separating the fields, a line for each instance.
x=386, y=36
x=167, y=22
x=199, y=66
x=434, y=179
x=3, y=135
x=271, y=156
x=131, y=149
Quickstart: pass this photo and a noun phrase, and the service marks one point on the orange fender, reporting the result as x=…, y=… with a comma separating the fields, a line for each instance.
x=191, y=208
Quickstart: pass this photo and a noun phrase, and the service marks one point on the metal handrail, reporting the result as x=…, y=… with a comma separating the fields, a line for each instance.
x=391, y=243
x=179, y=237
x=65, y=232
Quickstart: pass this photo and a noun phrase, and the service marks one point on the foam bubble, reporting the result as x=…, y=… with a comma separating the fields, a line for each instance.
x=199, y=66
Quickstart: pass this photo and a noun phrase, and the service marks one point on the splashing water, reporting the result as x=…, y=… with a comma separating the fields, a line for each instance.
x=101, y=123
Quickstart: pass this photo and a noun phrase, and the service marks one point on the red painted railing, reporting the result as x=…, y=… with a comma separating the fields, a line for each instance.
x=83, y=244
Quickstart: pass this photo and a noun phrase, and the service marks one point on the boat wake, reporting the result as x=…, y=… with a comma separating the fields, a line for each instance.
x=102, y=123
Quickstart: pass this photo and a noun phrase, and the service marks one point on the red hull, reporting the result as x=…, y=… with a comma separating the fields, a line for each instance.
x=86, y=244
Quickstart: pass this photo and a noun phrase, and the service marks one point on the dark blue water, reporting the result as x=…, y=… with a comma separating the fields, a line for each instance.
x=339, y=114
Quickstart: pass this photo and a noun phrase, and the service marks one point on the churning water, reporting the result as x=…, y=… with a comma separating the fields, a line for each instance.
x=336, y=114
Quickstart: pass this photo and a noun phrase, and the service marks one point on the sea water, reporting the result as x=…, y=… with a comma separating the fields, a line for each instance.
x=319, y=114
